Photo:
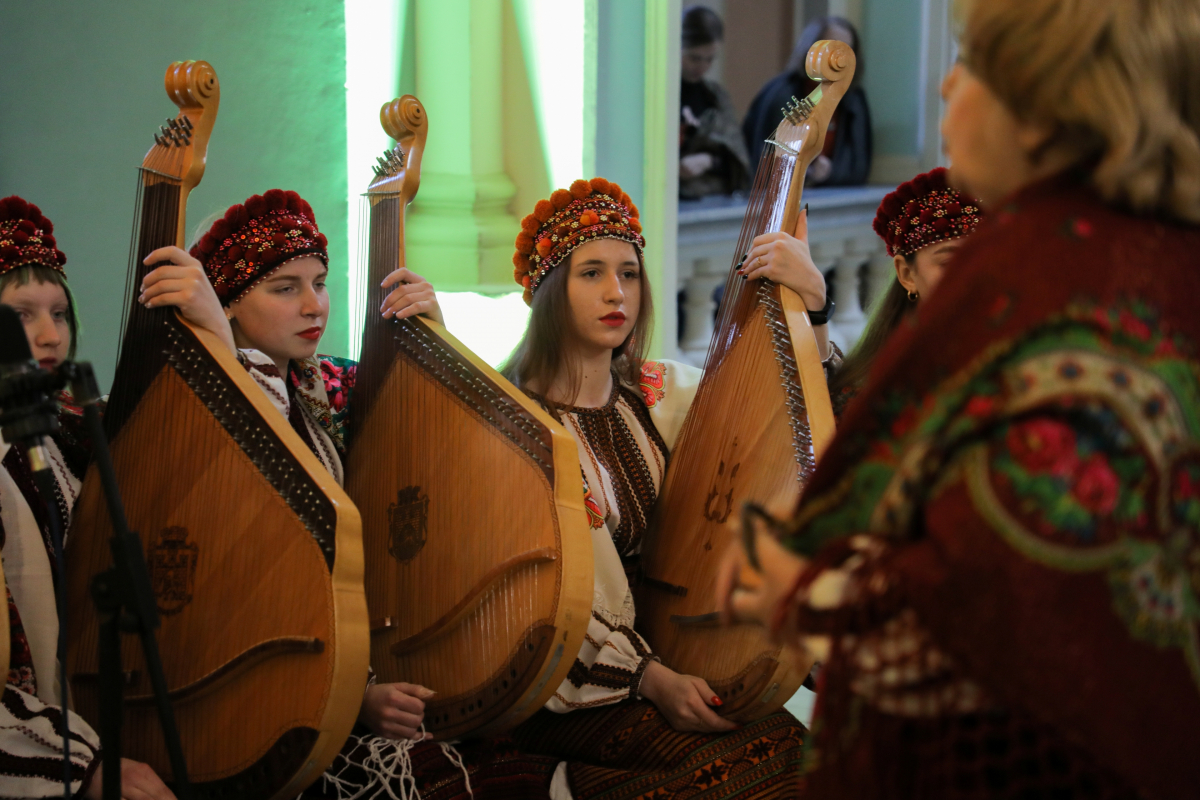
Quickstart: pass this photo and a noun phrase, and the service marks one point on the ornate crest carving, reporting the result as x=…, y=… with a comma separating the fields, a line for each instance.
x=172, y=562
x=408, y=521
x=718, y=506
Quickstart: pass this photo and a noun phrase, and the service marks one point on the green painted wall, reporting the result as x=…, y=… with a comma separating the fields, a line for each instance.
x=620, y=94
x=891, y=40
x=81, y=93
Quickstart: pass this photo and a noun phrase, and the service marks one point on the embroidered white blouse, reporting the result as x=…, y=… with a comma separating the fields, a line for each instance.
x=31, y=724
x=623, y=451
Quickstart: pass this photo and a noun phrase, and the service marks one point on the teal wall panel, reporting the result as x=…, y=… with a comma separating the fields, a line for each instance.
x=81, y=93
x=620, y=94
x=892, y=61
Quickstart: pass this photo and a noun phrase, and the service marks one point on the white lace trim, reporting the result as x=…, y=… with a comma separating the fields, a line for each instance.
x=624, y=617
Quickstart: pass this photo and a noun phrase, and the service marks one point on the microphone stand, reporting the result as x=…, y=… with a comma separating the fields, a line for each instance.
x=122, y=593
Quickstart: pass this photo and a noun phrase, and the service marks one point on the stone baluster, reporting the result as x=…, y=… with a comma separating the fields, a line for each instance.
x=841, y=240
x=699, y=310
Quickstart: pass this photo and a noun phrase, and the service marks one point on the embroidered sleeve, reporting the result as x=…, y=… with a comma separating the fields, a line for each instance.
x=31, y=747
x=668, y=388
x=610, y=663
x=608, y=669
x=264, y=372
x=339, y=375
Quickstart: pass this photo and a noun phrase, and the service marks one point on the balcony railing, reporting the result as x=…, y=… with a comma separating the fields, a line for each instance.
x=843, y=246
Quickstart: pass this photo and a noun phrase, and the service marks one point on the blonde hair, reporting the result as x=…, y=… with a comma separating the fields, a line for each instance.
x=1117, y=82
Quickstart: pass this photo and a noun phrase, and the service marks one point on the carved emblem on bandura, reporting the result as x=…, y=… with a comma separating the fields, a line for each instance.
x=172, y=562
x=408, y=521
x=718, y=505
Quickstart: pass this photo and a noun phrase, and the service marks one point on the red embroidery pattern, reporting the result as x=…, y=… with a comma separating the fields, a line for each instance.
x=595, y=518
x=652, y=382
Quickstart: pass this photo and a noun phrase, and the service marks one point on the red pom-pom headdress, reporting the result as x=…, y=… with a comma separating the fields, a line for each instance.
x=589, y=210
x=27, y=237
x=256, y=238
x=923, y=212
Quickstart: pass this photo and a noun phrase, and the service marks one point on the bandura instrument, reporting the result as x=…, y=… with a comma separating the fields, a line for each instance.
x=479, y=561
x=761, y=416
x=254, y=552
x=5, y=643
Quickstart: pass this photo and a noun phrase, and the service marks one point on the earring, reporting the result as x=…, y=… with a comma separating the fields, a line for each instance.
x=914, y=297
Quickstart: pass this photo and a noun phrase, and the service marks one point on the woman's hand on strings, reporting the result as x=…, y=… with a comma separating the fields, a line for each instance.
x=685, y=700
x=180, y=281
x=395, y=710
x=138, y=782
x=786, y=259
x=412, y=295
x=746, y=595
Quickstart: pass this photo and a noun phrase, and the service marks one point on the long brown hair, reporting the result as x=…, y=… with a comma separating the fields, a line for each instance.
x=1117, y=83
x=542, y=354
x=21, y=276
x=887, y=315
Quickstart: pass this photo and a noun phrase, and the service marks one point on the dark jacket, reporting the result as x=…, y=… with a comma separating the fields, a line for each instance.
x=717, y=135
x=852, y=139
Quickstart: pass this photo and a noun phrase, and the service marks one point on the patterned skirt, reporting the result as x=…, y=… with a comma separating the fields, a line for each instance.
x=628, y=751
x=372, y=767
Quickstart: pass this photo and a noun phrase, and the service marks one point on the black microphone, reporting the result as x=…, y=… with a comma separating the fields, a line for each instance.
x=27, y=413
x=14, y=345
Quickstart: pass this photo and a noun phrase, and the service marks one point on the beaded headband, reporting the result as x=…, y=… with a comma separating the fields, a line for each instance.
x=590, y=210
x=27, y=237
x=923, y=212
x=256, y=238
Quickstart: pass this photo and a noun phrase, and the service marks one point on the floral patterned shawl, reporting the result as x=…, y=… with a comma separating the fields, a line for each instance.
x=1006, y=530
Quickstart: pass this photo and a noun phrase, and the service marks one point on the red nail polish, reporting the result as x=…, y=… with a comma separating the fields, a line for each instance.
x=716, y=701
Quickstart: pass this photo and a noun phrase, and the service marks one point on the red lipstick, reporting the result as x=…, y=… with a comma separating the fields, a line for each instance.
x=311, y=334
x=614, y=320
x=48, y=363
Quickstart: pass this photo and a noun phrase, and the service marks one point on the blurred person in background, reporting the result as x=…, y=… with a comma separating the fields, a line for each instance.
x=712, y=153
x=846, y=157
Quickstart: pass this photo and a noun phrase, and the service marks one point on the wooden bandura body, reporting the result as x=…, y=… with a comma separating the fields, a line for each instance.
x=761, y=416
x=478, y=552
x=5, y=641
x=254, y=552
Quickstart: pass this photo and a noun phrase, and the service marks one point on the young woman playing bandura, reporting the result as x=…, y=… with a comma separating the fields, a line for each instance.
x=923, y=223
x=34, y=284
x=624, y=724
x=257, y=280
x=999, y=556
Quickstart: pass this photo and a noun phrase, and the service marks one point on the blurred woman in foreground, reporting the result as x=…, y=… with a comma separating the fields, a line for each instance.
x=999, y=557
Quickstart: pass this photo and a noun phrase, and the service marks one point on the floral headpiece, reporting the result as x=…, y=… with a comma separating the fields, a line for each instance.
x=590, y=210
x=925, y=211
x=256, y=238
x=26, y=237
